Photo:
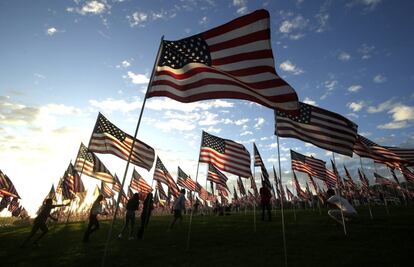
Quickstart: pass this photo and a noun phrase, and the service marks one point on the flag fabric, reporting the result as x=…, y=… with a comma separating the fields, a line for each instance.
x=234, y=60
x=320, y=127
x=336, y=173
x=216, y=176
x=408, y=175
x=159, y=172
x=379, y=179
x=185, y=181
x=161, y=191
x=331, y=179
x=16, y=212
x=7, y=187
x=254, y=186
x=106, y=191
x=139, y=184
x=277, y=183
x=364, y=181
x=5, y=201
x=225, y=155
x=235, y=196
x=312, y=182
x=309, y=165
x=394, y=176
x=203, y=194
x=88, y=163
x=223, y=191
x=117, y=184
x=14, y=204
x=349, y=182
x=259, y=162
x=73, y=180
x=109, y=139
x=289, y=194
x=240, y=185
x=52, y=194
x=299, y=192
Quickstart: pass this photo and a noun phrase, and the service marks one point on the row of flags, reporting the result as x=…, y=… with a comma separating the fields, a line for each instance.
x=10, y=197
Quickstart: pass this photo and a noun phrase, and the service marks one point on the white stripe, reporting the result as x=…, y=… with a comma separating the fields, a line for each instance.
x=226, y=159
x=248, y=63
x=241, y=31
x=246, y=48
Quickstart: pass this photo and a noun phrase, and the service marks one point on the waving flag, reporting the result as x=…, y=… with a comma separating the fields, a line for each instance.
x=107, y=138
x=216, y=176
x=73, y=179
x=384, y=181
x=408, y=175
x=320, y=127
x=240, y=185
x=5, y=201
x=234, y=60
x=225, y=155
x=254, y=186
x=52, y=194
x=161, y=191
x=106, y=191
x=117, y=185
x=161, y=174
x=7, y=187
x=185, y=181
x=139, y=184
x=309, y=165
x=259, y=162
x=300, y=193
x=88, y=163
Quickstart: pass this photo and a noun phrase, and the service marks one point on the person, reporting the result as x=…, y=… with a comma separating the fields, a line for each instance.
x=178, y=207
x=265, y=197
x=145, y=214
x=40, y=221
x=93, y=225
x=131, y=206
x=196, y=206
x=336, y=201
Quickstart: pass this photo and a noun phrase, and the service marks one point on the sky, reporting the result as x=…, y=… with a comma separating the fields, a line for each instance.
x=61, y=62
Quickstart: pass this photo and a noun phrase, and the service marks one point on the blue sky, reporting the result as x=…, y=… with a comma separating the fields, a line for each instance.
x=63, y=61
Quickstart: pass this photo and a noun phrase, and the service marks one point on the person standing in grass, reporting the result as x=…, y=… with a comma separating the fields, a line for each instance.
x=131, y=206
x=93, y=225
x=147, y=208
x=40, y=221
x=265, y=196
x=178, y=208
x=339, y=203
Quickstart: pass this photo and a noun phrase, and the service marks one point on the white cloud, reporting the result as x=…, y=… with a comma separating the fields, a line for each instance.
x=394, y=125
x=92, y=7
x=138, y=78
x=330, y=86
x=297, y=23
x=366, y=51
x=125, y=63
x=241, y=121
x=369, y=4
x=138, y=19
x=211, y=129
x=354, y=88
x=110, y=105
x=259, y=123
x=382, y=107
x=356, y=106
x=289, y=67
x=344, y=56
x=209, y=119
x=204, y=21
x=51, y=31
x=402, y=113
x=246, y=133
x=174, y=124
x=379, y=78
x=241, y=6
x=310, y=101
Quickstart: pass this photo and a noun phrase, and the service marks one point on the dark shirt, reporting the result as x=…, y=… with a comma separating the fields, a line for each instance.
x=132, y=204
x=265, y=195
x=44, y=213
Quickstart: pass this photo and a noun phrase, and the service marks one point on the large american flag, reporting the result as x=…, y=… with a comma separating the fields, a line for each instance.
x=7, y=187
x=234, y=60
x=259, y=162
x=320, y=127
x=216, y=176
x=107, y=138
x=139, y=184
x=185, y=181
x=225, y=154
x=88, y=163
x=309, y=165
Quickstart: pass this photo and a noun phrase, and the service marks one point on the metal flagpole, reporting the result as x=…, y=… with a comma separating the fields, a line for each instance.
x=339, y=195
x=369, y=201
x=192, y=210
x=281, y=199
x=132, y=148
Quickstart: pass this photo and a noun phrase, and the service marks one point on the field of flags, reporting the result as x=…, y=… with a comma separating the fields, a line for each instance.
x=234, y=60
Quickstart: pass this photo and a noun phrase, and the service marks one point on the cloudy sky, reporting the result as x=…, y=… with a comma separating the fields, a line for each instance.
x=63, y=61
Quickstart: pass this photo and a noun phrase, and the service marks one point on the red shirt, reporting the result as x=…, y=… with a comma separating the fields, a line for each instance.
x=265, y=195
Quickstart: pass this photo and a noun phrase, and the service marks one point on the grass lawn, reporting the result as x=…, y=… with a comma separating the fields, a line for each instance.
x=312, y=240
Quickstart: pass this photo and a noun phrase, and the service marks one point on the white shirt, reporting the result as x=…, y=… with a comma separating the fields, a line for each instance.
x=342, y=203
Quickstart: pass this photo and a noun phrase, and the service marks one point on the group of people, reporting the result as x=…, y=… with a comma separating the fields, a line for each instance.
x=340, y=210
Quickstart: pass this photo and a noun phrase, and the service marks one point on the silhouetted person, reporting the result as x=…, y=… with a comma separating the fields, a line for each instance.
x=131, y=206
x=265, y=196
x=145, y=214
x=339, y=203
x=93, y=225
x=40, y=221
x=178, y=208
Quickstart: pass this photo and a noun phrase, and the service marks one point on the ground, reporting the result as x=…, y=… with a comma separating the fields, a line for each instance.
x=312, y=240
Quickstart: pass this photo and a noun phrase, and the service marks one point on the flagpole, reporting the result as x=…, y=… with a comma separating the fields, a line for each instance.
x=293, y=199
x=398, y=182
x=381, y=186
x=192, y=210
x=130, y=153
x=339, y=193
x=369, y=201
x=281, y=199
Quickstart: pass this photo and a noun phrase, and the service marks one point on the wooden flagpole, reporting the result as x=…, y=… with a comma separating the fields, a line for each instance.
x=369, y=201
x=192, y=209
x=130, y=153
x=339, y=194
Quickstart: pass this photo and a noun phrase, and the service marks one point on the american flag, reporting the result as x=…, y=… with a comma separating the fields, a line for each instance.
x=223, y=191
x=4, y=202
x=117, y=185
x=394, y=175
x=73, y=179
x=259, y=162
x=124, y=199
x=52, y=194
x=349, y=182
x=139, y=184
x=14, y=204
x=290, y=196
x=408, y=175
x=379, y=179
x=106, y=191
x=309, y=165
x=88, y=163
x=7, y=187
x=107, y=138
x=320, y=127
x=226, y=155
x=161, y=191
x=185, y=181
x=240, y=185
x=331, y=179
x=234, y=60
x=312, y=183
x=216, y=176
x=16, y=212
x=253, y=186
x=364, y=181
x=161, y=174
x=336, y=173
x=300, y=193
x=203, y=194
x=66, y=186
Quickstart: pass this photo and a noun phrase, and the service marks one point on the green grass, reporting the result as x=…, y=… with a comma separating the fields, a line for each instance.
x=313, y=240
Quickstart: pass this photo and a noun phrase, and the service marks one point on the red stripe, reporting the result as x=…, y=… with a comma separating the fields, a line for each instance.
x=223, y=158
x=249, y=38
x=242, y=57
x=236, y=23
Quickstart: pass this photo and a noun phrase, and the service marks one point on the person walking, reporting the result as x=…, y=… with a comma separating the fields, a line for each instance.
x=131, y=206
x=178, y=208
x=265, y=196
x=147, y=208
x=40, y=221
x=93, y=225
